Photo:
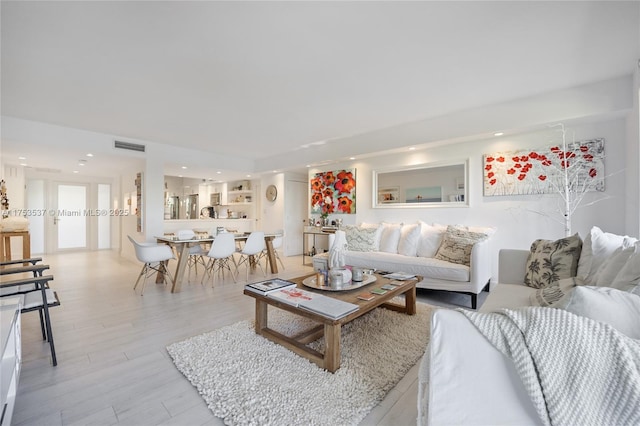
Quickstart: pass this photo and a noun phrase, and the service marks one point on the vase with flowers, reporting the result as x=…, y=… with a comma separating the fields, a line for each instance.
x=324, y=206
x=4, y=200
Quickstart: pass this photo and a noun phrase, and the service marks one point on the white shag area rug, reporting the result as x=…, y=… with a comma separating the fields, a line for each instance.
x=249, y=380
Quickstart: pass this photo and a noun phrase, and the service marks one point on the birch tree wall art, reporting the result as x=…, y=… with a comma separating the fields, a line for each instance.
x=569, y=169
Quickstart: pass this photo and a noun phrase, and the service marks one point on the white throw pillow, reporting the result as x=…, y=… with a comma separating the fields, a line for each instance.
x=619, y=309
x=628, y=279
x=389, y=237
x=369, y=225
x=610, y=268
x=430, y=239
x=596, y=248
x=409, y=236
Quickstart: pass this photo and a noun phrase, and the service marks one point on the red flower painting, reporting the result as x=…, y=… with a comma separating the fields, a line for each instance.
x=539, y=171
x=334, y=192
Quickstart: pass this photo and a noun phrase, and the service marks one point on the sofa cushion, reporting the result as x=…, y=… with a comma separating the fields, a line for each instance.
x=361, y=238
x=409, y=236
x=507, y=296
x=423, y=266
x=551, y=261
x=617, y=308
x=457, y=245
x=596, y=248
x=430, y=239
x=548, y=296
x=389, y=237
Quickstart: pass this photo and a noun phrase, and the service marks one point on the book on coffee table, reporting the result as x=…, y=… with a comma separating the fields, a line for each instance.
x=292, y=296
x=400, y=276
x=269, y=286
x=328, y=306
x=366, y=296
x=314, y=302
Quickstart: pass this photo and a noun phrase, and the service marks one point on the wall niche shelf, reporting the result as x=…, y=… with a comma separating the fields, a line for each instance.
x=239, y=197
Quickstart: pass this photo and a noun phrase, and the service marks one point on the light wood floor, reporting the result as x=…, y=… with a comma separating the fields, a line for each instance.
x=113, y=367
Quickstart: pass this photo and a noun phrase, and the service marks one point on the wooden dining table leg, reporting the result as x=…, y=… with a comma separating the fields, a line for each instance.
x=6, y=244
x=271, y=255
x=183, y=258
x=26, y=247
x=3, y=256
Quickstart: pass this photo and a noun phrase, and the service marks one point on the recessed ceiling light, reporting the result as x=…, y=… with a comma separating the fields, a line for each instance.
x=89, y=155
x=22, y=158
x=412, y=148
x=352, y=158
x=80, y=164
x=184, y=167
x=308, y=165
x=179, y=175
x=498, y=134
x=275, y=171
x=248, y=175
x=218, y=172
x=23, y=164
x=75, y=171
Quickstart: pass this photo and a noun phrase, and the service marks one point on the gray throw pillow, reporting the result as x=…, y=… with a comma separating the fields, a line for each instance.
x=551, y=261
x=457, y=244
x=362, y=239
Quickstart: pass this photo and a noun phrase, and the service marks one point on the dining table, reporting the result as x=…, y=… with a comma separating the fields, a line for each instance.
x=182, y=246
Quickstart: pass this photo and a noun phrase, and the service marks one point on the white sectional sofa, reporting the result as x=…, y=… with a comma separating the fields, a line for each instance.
x=455, y=388
x=420, y=249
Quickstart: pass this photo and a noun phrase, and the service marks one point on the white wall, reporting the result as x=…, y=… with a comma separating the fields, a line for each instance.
x=272, y=212
x=281, y=214
x=128, y=223
x=632, y=174
x=515, y=217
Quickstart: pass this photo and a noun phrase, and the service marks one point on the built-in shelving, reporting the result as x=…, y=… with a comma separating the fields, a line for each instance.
x=239, y=197
x=239, y=192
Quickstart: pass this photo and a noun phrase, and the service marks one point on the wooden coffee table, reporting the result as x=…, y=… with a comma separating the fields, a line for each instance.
x=330, y=328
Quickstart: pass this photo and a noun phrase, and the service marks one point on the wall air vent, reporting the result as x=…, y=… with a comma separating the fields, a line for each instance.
x=128, y=145
x=47, y=170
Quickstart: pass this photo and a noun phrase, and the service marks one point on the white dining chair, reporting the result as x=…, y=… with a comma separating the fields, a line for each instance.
x=252, y=252
x=196, y=252
x=154, y=257
x=222, y=250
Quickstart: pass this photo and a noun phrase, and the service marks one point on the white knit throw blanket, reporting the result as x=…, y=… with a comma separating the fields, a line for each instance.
x=577, y=371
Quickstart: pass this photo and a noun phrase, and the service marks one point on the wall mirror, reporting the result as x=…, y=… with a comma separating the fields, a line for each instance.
x=424, y=185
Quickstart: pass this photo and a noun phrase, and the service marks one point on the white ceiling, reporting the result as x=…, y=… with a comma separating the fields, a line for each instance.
x=259, y=80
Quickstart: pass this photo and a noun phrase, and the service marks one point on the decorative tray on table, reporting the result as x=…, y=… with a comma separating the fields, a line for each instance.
x=351, y=285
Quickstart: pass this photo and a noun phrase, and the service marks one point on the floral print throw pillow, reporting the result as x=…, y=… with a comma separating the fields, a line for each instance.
x=551, y=261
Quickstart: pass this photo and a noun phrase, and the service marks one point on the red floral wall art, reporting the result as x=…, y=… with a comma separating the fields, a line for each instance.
x=541, y=171
x=334, y=192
